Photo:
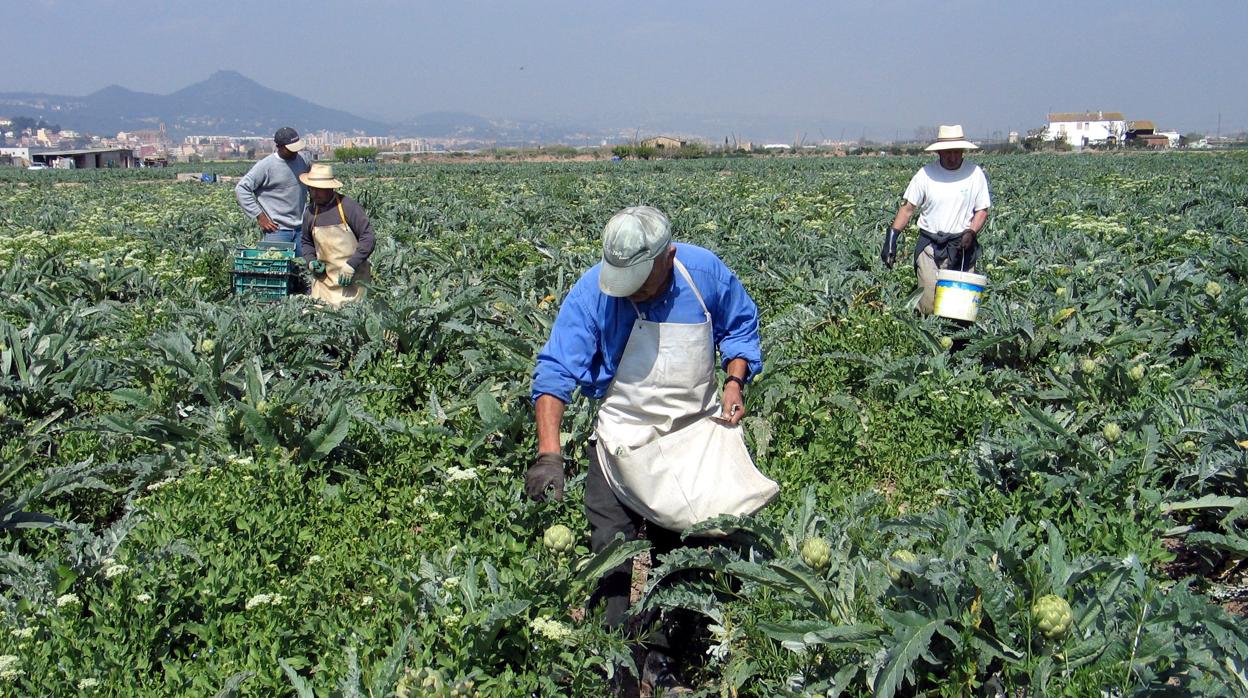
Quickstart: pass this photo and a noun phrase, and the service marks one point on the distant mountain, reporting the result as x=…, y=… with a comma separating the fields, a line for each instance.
x=228, y=103
x=500, y=132
x=225, y=103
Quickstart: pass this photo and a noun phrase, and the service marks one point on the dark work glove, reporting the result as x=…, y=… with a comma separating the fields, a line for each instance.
x=317, y=267
x=888, y=253
x=953, y=253
x=546, y=473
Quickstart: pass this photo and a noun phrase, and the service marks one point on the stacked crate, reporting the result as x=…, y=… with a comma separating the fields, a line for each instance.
x=264, y=272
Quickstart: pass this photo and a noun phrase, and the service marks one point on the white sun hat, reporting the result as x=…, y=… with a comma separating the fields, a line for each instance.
x=631, y=241
x=951, y=138
x=321, y=176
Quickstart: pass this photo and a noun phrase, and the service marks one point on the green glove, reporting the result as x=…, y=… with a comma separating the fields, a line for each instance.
x=347, y=277
x=317, y=267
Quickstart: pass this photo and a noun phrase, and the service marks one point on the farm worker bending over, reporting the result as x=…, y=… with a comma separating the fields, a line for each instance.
x=640, y=330
x=270, y=192
x=953, y=199
x=337, y=239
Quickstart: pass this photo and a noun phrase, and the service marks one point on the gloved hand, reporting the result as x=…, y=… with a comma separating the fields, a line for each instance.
x=953, y=252
x=968, y=240
x=347, y=277
x=317, y=267
x=888, y=253
x=546, y=473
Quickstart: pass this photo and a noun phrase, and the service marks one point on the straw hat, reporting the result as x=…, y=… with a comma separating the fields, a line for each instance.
x=951, y=138
x=320, y=177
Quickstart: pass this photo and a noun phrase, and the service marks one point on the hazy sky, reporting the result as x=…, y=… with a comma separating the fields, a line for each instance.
x=991, y=65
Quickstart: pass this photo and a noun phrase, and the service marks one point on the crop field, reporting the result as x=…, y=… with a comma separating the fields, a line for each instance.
x=204, y=496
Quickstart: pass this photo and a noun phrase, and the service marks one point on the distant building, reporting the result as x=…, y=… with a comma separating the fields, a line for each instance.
x=1143, y=132
x=366, y=142
x=664, y=143
x=85, y=158
x=17, y=156
x=1154, y=141
x=1081, y=129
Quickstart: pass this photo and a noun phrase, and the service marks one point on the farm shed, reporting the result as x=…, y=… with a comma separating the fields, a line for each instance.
x=663, y=142
x=1144, y=132
x=87, y=158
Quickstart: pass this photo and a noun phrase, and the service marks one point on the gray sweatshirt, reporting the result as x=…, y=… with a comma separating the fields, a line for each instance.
x=272, y=185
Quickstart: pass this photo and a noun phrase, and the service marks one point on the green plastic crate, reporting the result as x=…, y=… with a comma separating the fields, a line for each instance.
x=260, y=286
x=265, y=258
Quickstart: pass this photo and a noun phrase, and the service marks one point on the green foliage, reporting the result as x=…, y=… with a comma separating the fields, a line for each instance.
x=206, y=496
x=355, y=154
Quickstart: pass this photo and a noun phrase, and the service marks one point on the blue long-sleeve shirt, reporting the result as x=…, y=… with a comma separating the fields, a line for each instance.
x=592, y=328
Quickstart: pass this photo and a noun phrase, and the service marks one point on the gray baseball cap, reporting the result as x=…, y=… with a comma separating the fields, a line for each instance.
x=631, y=241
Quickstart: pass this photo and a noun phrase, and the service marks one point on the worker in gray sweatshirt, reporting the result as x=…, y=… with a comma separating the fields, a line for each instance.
x=271, y=193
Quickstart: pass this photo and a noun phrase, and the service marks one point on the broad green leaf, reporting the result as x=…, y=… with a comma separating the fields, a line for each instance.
x=799, y=634
x=329, y=434
x=257, y=426
x=911, y=642
x=1209, y=501
x=300, y=684
x=231, y=686
x=615, y=553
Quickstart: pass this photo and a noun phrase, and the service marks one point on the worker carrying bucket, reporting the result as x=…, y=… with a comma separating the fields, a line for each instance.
x=953, y=200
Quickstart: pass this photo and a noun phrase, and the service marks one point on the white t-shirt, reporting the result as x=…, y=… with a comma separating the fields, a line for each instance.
x=948, y=199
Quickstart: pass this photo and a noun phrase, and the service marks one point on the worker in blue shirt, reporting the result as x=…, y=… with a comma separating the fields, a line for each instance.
x=640, y=330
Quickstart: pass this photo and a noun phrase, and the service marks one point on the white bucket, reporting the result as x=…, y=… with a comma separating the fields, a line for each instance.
x=958, y=294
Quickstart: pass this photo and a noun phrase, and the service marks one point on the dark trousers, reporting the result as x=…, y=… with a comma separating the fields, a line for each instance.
x=607, y=517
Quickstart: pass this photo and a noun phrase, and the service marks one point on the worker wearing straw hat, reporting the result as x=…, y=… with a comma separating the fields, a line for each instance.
x=952, y=197
x=337, y=239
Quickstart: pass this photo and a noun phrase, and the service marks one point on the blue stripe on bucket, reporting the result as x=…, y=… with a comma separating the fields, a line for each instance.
x=960, y=284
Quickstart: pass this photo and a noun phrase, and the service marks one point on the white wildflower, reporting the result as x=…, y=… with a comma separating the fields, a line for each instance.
x=88, y=683
x=366, y=601
x=550, y=629
x=8, y=661
x=315, y=559
x=143, y=598
x=157, y=485
x=264, y=599
x=67, y=600
x=455, y=474
x=23, y=633
x=114, y=570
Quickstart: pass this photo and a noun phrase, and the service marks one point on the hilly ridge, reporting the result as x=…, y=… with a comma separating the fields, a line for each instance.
x=229, y=103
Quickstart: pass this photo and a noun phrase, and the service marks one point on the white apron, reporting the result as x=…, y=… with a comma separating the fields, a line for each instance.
x=334, y=246
x=661, y=451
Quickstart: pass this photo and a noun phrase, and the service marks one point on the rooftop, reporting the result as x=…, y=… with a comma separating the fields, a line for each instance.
x=1064, y=116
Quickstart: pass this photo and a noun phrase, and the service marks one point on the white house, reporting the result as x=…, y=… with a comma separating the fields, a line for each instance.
x=1086, y=128
x=21, y=156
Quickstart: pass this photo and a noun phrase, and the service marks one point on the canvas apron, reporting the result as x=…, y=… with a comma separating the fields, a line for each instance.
x=335, y=244
x=661, y=451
